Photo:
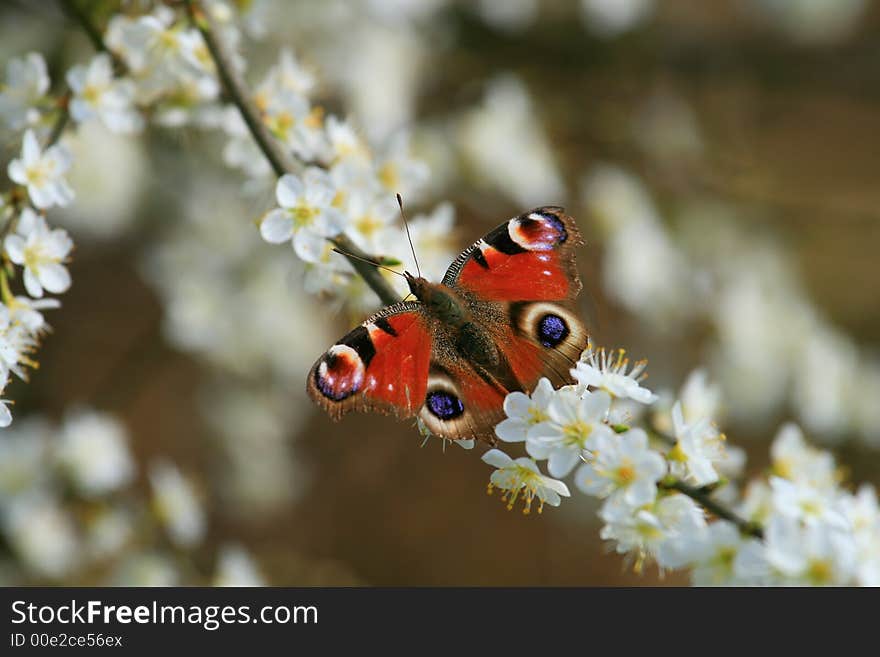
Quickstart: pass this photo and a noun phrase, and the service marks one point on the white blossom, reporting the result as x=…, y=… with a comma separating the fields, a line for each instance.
x=5, y=414
x=814, y=554
x=23, y=454
x=288, y=75
x=176, y=505
x=344, y=141
x=648, y=531
x=806, y=503
x=42, y=252
x=574, y=423
x=42, y=172
x=27, y=82
x=92, y=450
x=599, y=369
x=108, y=532
x=372, y=220
x=398, y=171
x=719, y=555
x=863, y=515
x=794, y=459
x=26, y=312
x=524, y=412
x=698, y=447
x=610, y=18
x=622, y=465
x=16, y=342
x=42, y=534
x=506, y=146
x=161, y=55
x=306, y=215
x=235, y=567
x=146, y=569
x=522, y=478
x=699, y=398
x=97, y=94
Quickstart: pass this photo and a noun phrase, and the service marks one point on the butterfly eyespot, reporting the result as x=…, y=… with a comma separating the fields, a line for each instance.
x=444, y=405
x=552, y=330
x=537, y=231
x=340, y=373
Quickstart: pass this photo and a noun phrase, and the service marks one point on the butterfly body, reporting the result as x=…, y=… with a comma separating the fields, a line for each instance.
x=502, y=318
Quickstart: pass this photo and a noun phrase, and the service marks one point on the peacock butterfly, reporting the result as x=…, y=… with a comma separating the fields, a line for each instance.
x=502, y=318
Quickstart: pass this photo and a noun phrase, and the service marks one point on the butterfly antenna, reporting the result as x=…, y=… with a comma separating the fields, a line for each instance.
x=408, y=236
x=367, y=260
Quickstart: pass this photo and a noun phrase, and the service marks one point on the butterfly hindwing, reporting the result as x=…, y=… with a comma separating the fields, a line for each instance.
x=462, y=402
x=548, y=332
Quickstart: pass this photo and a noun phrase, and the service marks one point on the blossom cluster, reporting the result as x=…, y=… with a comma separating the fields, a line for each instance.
x=752, y=299
x=30, y=248
x=70, y=514
x=345, y=188
x=795, y=525
x=345, y=185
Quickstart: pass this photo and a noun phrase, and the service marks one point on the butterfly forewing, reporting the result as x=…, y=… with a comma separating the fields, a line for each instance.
x=381, y=365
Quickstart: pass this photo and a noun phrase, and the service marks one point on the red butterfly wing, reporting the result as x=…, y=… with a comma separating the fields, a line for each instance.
x=381, y=365
x=521, y=281
x=518, y=284
x=528, y=258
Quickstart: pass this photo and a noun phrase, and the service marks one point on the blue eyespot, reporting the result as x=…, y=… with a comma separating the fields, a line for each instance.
x=444, y=405
x=552, y=330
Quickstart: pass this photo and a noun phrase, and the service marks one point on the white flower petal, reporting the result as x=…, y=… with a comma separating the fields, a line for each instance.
x=497, y=459
x=54, y=277
x=308, y=246
x=30, y=148
x=5, y=415
x=511, y=430
x=330, y=222
x=517, y=405
x=277, y=226
x=15, y=248
x=17, y=172
x=288, y=190
x=562, y=461
x=32, y=283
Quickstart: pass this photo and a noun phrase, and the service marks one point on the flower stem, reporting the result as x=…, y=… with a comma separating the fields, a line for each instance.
x=237, y=90
x=704, y=499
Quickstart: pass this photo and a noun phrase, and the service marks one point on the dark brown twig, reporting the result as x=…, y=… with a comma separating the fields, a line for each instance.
x=237, y=90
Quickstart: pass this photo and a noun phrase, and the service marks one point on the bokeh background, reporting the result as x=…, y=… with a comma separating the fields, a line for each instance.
x=720, y=157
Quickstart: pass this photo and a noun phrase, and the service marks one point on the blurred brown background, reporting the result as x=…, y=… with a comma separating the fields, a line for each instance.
x=789, y=136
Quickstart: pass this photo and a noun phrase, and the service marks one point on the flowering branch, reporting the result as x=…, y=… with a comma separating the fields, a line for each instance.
x=64, y=98
x=797, y=525
x=703, y=495
x=238, y=92
x=19, y=192
x=704, y=499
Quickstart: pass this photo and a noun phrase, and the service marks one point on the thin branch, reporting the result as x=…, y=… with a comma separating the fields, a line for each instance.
x=703, y=495
x=705, y=500
x=75, y=12
x=237, y=90
x=61, y=121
